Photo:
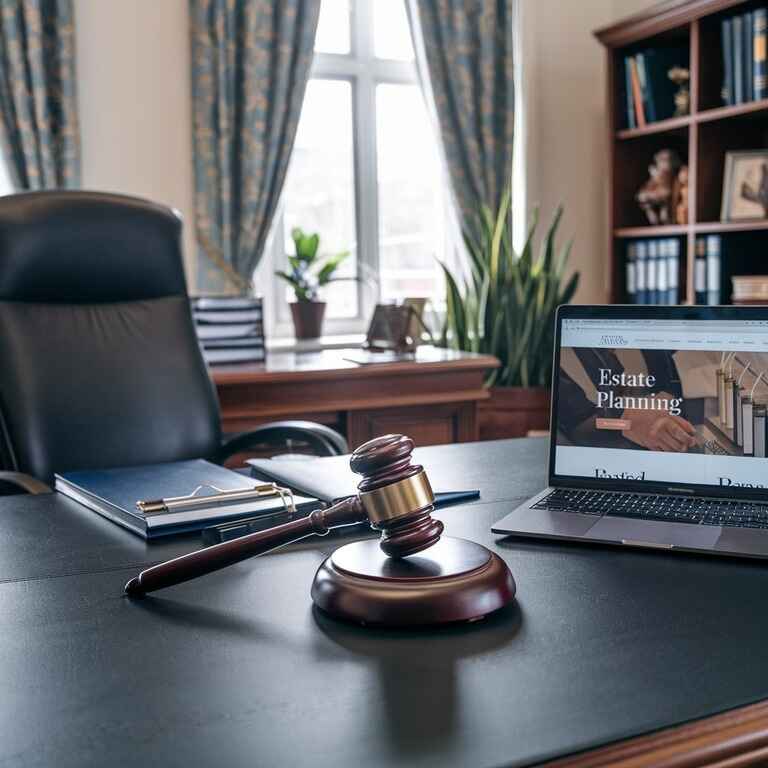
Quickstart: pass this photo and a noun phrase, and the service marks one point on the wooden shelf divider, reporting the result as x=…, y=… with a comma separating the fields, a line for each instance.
x=660, y=126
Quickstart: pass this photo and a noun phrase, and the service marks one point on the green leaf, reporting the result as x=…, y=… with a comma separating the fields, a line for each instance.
x=506, y=305
x=330, y=266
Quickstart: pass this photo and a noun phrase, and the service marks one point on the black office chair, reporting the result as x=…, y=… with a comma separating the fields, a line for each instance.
x=99, y=361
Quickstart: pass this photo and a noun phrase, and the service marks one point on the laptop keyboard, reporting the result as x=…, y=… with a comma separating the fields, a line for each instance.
x=648, y=506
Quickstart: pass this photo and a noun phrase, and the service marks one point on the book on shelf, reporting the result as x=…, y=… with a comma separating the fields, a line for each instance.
x=707, y=268
x=637, y=96
x=648, y=91
x=726, y=37
x=750, y=289
x=628, y=94
x=653, y=271
x=738, y=60
x=230, y=329
x=672, y=261
x=743, y=38
x=713, y=269
x=760, y=73
x=747, y=34
x=700, y=271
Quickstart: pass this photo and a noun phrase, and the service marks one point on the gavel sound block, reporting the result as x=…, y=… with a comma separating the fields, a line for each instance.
x=411, y=576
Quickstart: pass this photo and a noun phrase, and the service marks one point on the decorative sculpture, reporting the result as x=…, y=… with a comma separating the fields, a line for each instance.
x=681, y=76
x=655, y=196
x=680, y=196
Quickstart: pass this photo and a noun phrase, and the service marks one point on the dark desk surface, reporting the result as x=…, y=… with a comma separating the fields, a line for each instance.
x=237, y=669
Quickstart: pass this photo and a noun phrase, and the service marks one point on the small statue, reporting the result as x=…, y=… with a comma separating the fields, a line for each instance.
x=680, y=196
x=681, y=76
x=759, y=195
x=655, y=196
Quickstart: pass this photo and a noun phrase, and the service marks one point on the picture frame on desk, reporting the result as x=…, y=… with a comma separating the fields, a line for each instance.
x=745, y=186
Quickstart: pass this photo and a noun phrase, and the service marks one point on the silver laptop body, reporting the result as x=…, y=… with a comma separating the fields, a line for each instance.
x=658, y=433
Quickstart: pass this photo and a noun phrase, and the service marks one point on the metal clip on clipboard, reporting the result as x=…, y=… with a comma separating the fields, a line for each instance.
x=222, y=496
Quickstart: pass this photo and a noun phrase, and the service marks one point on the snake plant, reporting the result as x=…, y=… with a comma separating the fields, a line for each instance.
x=506, y=305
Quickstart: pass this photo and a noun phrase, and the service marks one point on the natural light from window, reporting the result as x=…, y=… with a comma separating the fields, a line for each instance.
x=6, y=186
x=333, y=29
x=365, y=172
x=320, y=189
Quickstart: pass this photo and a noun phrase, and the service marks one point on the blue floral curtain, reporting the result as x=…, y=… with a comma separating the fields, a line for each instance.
x=250, y=65
x=465, y=46
x=39, y=134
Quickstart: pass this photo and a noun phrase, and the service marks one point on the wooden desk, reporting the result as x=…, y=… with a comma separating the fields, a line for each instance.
x=236, y=668
x=433, y=398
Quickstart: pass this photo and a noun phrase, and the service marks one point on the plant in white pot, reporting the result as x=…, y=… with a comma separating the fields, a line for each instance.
x=309, y=272
x=506, y=307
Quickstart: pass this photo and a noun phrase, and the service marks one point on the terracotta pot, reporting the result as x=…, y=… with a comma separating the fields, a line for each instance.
x=514, y=412
x=308, y=318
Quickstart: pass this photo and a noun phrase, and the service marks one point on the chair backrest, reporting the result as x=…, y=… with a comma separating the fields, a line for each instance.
x=99, y=361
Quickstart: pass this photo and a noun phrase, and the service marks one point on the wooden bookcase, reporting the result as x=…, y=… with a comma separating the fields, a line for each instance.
x=701, y=139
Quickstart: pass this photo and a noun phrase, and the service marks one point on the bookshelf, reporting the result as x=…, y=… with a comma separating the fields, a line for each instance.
x=701, y=139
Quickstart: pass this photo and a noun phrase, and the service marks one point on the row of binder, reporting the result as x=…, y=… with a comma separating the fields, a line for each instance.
x=652, y=271
x=707, y=268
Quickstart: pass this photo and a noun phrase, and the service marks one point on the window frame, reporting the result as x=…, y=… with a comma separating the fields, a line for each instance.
x=364, y=71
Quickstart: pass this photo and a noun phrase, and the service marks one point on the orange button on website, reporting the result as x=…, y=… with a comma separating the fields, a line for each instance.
x=613, y=423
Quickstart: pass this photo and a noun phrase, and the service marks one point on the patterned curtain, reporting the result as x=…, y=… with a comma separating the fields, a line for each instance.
x=464, y=49
x=39, y=134
x=250, y=65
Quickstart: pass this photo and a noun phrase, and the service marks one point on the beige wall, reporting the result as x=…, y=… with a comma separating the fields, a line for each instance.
x=565, y=142
x=133, y=80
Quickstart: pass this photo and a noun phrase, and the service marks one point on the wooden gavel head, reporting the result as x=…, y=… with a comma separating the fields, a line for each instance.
x=396, y=495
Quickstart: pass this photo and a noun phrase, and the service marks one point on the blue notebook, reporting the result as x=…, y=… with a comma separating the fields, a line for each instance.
x=114, y=493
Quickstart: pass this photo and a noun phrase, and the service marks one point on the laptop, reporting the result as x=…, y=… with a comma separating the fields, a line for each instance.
x=658, y=433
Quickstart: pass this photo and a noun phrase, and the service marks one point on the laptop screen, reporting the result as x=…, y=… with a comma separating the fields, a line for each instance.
x=675, y=401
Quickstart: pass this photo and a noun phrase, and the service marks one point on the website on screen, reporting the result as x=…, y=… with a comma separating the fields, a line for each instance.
x=674, y=401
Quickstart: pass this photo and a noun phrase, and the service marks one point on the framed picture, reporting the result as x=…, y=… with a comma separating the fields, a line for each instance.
x=745, y=185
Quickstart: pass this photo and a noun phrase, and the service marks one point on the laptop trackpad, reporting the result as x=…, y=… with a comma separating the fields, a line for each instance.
x=743, y=541
x=546, y=522
x=652, y=532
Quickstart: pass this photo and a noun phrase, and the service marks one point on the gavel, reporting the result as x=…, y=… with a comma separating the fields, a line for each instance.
x=394, y=496
x=412, y=576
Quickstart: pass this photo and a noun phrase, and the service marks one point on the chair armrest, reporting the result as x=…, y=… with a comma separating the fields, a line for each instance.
x=24, y=483
x=323, y=440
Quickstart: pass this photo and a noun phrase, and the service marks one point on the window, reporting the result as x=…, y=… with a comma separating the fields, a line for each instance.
x=6, y=186
x=365, y=171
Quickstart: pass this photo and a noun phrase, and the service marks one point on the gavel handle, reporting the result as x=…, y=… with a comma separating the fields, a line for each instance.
x=219, y=556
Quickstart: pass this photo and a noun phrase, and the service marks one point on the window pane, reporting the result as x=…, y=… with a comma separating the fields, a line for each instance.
x=413, y=200
x=333, y=27
x=6, y=187
x=391, y=31
x=319, y=193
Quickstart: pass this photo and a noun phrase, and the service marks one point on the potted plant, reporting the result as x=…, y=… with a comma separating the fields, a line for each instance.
x=506, y=307
x=309, y=272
